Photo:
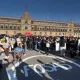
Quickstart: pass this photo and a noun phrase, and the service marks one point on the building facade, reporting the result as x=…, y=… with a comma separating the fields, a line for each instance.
x=12, y=26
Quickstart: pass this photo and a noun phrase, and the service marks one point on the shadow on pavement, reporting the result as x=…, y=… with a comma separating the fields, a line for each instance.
x=26, y=72
x=3, y=73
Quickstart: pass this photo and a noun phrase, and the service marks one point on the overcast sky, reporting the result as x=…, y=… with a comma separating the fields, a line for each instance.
x=57, y=10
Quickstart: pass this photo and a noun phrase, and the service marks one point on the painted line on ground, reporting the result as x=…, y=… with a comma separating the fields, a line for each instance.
x=55, y=57
x=11, y=77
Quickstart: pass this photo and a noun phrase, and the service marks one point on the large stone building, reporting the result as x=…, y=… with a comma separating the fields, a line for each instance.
x=10, y=26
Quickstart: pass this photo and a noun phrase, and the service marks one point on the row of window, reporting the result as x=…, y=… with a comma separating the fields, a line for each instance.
x=9, y=27
x=77, y=31
x=49, y=23
x=49, y=29
x=6, y=20
x=50, y=33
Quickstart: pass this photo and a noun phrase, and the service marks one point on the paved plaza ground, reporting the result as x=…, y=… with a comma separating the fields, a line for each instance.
x=38, y=66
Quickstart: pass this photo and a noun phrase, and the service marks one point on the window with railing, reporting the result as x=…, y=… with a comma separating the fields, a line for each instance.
x=53, y=29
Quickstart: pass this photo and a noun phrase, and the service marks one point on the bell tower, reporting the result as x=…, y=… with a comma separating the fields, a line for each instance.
x=25, y=20
x=25, y=15
x=70, y=28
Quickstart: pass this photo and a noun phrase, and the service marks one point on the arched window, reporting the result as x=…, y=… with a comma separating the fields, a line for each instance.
x=37, y=28
x=32, y=27
x=14, y=27
x=18, y=28
x=43, y=28
x=6, y=27
x=40, y=28
x=10, y=27
x=56, y=30
x=1, y=26
x=61, y=30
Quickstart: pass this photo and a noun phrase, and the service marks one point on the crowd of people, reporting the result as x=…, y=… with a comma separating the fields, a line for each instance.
x=18, y=45
x=51, y=44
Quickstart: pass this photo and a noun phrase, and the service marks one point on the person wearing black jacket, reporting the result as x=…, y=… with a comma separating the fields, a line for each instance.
x=62, y=45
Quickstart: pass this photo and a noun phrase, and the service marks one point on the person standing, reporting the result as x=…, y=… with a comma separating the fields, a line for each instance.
x=47, y=47
x=62, y=45
x=6, y=47
x=57, y=44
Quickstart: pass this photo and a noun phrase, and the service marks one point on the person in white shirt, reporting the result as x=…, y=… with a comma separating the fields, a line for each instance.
x=57, y=48
x=47, y=47
x=78, y=42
